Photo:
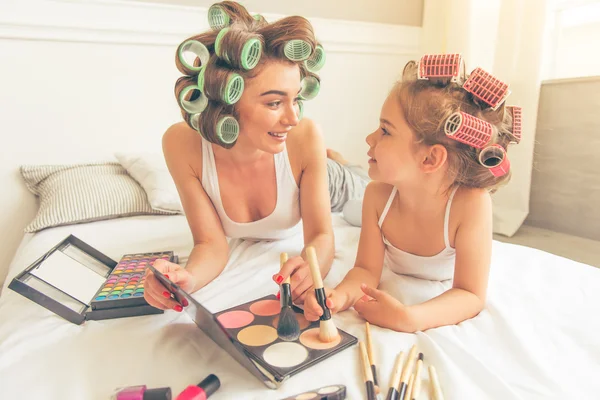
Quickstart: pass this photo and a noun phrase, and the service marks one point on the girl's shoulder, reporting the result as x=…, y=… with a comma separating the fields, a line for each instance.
x=470, y=204
x=377, y=195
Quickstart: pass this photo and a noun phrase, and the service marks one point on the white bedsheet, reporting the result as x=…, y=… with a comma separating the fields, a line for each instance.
x=538, y=338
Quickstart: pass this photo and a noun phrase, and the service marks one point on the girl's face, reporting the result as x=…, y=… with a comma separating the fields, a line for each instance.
x=268, y=108
x=394, y=156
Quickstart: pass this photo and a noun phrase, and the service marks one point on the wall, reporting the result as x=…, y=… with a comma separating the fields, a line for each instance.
x=565, y=187
x=399, y=12
x=83, y=80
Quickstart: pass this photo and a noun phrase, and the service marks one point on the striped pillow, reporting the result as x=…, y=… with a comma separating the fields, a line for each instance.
x=71, y=194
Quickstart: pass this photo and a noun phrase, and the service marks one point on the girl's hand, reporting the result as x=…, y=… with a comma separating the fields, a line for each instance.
x=380, y=308
x=300, y=280
x=335, y=300
x=159, y=296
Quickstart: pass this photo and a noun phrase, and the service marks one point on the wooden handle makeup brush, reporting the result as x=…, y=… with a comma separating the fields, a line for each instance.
x=395, y=381
x=409, y=389
x=368, y=375
x=371, y=356
x=328, y=332
x=288, y=328
x=407, y=372
x=417, y=381
x=436, y=390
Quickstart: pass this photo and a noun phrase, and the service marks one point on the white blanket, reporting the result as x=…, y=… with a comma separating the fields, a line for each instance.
x=538, y=338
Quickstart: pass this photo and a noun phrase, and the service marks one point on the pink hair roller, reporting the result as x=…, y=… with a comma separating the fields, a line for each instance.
x=495, y=159
x=517, y=113
x=468, y=129
x=440, y=67
x=486, y=88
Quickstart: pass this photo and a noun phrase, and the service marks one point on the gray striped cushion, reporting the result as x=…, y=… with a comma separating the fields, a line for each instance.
x=71, y=194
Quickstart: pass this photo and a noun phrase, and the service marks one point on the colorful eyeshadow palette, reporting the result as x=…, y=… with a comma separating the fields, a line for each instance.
x=124, y=287
x=66, y=281
x=248, y=333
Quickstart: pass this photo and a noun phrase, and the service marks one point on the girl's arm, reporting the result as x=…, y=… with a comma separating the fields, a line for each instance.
x=473, y=244
x=369, y=259
x=209, y=256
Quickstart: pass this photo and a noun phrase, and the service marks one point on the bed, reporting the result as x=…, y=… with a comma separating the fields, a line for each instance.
x=538, y=338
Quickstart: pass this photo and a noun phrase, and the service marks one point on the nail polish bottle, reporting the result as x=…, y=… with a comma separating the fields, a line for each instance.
x=142, y=393
x=202, y=391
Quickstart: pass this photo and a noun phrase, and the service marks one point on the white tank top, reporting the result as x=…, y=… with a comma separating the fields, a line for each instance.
x=435, y=268
x=280, y=224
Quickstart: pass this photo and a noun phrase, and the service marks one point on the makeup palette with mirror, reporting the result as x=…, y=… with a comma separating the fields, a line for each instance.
x=248, y=332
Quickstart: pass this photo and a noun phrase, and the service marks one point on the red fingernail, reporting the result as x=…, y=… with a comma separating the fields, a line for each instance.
x=167, y=295
x=278, y=296
x=178, y=308
x=279, y=279
x=167, y=276
x=185, y=302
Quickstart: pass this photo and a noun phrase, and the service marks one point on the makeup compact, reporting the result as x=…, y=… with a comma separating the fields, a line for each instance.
x=79, y=283
x=333, y=392
x=248, y=333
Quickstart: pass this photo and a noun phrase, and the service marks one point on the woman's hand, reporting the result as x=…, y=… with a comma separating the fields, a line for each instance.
x=381, y=309
x=335, y=300
x=158, y=295
x=301, y=282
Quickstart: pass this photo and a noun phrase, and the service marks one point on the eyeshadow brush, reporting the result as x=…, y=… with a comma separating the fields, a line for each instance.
x=288, y=328
x=328, y=332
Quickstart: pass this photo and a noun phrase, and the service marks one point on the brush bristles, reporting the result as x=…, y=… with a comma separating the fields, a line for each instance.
x=328, y=332
x=288, y=328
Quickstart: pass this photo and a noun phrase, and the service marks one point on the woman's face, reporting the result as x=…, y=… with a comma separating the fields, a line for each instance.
x=268, y=108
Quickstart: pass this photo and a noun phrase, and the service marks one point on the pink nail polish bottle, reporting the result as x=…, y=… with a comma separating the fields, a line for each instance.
x=202, y=391
x=141, y=393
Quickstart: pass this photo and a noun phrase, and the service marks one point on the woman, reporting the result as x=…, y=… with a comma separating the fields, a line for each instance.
x=257, y=168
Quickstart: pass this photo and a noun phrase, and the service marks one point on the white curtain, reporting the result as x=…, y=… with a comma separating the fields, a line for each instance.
x=504, y=37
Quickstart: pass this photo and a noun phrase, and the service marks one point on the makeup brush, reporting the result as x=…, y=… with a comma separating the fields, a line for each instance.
x=371, y=356
x=328, y=332
x=417, y=381
x=395, y=381
x=407, y=372
x=288, y=328
x=367, y=373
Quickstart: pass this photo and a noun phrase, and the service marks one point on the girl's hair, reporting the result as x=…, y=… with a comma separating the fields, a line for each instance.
x=427, y=104
x=221, y=68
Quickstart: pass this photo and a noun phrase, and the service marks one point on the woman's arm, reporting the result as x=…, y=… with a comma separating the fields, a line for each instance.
x=473, y=244
x=182, y=150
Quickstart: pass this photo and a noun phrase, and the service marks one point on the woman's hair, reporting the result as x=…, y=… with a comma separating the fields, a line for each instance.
x=428, y=104
x=234, y=50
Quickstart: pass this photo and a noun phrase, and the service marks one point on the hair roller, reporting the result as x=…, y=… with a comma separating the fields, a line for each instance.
x=238, y=48
x=192, y=100
x=316, y=61
x=218, y=18
x=220, y=84
x=198, y=51
x=442, y=68
x=297, y=50
x=516, y=113
x=227, y=129
x=310, y=87
x=494, y=158
x=487, y=88
x=468, y=129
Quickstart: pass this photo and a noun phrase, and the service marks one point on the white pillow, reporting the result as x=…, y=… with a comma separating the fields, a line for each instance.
x=150, y=171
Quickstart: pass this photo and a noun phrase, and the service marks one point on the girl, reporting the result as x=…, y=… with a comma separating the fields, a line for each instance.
x=428, y=211
x=244, y=162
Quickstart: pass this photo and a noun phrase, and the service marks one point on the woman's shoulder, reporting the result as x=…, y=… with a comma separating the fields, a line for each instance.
x=182, y=146
x=305, y=136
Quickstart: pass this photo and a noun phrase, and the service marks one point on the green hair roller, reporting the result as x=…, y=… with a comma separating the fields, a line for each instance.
x=310, y=88
x=194, y=121
x=317, y=60
x=199, y=50
x=233, y=89
x=201, y=79
x=192, y=106
x=217, y=17
x=228, y=129
x=300, y=109
x=251, y=53
x=218, y=39
x=297, y=50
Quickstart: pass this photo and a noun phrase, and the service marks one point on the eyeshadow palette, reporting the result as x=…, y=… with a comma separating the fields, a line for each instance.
x=248, y=333
x=69, y=278
x=124, y=287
